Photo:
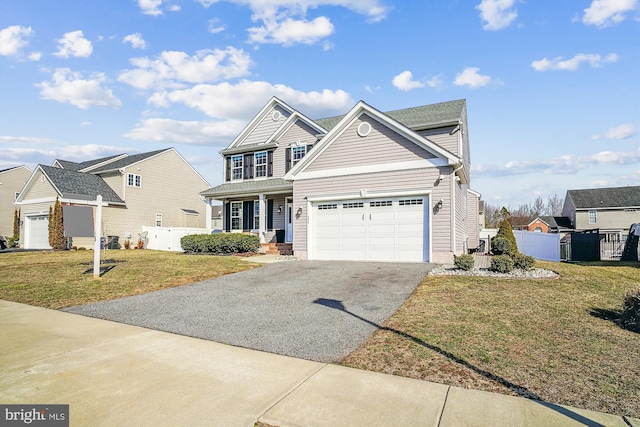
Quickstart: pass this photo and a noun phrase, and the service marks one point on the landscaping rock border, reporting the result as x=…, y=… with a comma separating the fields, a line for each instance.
x=534, y=273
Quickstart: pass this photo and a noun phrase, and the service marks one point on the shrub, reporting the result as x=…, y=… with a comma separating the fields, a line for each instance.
x=220, y=244
x=630, y=317
x=522, y=261
x=501, y=246
x=464, y=262
x=506, y=231
x=501, y=263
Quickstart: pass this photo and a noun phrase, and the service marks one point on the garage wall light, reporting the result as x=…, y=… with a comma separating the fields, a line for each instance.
x=439, y=204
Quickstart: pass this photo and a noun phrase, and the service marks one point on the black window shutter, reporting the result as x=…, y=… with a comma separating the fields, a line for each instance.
x=248, y=166
x=228, y=161
x=269, y=163
x=269, y=214
x=247, y=215
x=309, y=147
x=227, y=216
x=288, y=160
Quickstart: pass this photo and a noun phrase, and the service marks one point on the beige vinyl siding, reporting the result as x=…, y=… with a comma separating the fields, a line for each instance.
x=169, y=184
x=608, y=219
x=12, y=182
x=40, y=189
x=381, y=146
x=473, y=227
x=278, y=218
x=266, y=127
x=299, y=131
x=116, y=181
x=444, y=138
x=422, y=179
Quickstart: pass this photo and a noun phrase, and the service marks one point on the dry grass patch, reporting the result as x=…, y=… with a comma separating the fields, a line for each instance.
x=58, y=279
x=544, y=339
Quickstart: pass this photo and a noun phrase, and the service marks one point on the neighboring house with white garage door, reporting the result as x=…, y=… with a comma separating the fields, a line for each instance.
x=158, y=188
x=368, y=185
x=11, y=182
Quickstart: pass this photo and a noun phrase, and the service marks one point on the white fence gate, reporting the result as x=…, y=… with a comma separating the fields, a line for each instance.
x=542, y=246
x=168, y=238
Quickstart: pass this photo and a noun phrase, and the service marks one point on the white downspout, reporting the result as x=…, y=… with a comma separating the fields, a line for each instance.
x=453, y=209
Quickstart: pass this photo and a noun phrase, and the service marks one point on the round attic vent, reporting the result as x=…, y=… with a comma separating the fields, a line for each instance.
x=276, y=116
x=364, y=129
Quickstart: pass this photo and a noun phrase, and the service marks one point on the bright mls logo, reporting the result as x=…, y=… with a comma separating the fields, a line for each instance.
x=36, y=415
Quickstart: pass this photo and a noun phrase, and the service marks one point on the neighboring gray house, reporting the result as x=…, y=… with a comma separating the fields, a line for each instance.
x=611, y=210
x=368, y=185
x=11, y=182
x=158, y=188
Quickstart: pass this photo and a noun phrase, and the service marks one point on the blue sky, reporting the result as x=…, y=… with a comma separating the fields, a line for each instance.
x=552, y=87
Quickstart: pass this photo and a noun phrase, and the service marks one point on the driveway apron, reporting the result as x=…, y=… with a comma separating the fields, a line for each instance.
x=315, y=310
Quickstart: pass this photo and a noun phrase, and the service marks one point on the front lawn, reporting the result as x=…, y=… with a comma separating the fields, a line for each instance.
x=553, y=340
x=58, y=279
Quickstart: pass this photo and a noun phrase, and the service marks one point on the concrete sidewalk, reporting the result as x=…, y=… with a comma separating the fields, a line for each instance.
x=115, y=374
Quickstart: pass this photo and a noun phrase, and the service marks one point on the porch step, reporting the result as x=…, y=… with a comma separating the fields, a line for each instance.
x=278, y=248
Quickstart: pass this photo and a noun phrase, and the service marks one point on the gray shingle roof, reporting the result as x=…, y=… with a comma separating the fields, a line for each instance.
x=66, y=164
x=415, y=117
x=615, y=197
x=79, y=185
x=249, y=187
x=129, y=160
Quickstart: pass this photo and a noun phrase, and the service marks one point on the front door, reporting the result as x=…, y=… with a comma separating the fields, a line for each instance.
x=288, y=237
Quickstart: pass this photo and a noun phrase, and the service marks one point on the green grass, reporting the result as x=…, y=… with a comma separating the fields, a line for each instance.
x=58, y=279
x=549, y=339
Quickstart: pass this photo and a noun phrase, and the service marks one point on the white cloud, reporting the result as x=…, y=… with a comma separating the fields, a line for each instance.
x=150, y=7
x=35, y=56
x=435, y=82
x=215, y=27
x=74, y=44
x=136, y=40
x=86, y=151
x=173, y=68
x=240, y=101
x=12, y=39
x=404, y=81
x=291, y=31
x=572, y=64
x=470, y=76
x=497, y=14
x=186, y=132
x=25, y=140
x=71, y=87
x=618, y=132
x=604, y=13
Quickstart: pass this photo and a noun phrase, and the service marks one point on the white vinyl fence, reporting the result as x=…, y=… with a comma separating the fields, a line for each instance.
x=168, y=238
x=542, y=246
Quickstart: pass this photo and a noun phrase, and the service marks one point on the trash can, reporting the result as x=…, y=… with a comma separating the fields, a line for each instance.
x=280, y=236
x=3, y=243
x=113, y=242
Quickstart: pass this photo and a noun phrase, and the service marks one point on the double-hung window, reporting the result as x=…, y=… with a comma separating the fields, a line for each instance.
x=236, y=167
x=297, y=153
x=134, y=180
x=593, y=217
x=260, y=163
x=236, y=216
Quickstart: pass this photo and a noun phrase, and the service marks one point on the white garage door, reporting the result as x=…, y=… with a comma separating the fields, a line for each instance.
x=393, y=229
x=36, y=232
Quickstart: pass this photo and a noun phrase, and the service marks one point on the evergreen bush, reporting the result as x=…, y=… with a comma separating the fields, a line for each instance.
x=506, y=231
x=220, y=244
x=501, y=263
x=501, y=246
x=464, y=262
x=522, y=261
x=630, y=317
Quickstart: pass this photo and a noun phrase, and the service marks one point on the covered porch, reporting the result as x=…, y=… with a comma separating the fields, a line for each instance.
x=262, y=207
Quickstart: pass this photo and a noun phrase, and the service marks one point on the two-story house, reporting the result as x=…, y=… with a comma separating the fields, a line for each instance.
x=367, y=185
x=611, y=210
x=158, y=188
x=11, y=182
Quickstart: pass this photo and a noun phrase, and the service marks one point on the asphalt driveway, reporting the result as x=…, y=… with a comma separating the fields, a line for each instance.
x=315, y=310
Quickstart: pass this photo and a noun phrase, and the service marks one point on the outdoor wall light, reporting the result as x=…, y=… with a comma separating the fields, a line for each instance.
x=280, y=209
x=440, y=177
x=439, y=204
x=299, y=211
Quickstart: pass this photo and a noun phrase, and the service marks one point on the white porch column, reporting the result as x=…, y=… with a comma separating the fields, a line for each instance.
x=262, y=218
x=208, y=224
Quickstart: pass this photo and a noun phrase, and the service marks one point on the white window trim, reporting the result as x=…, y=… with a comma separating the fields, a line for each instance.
x=595, y=217
x=299, y=148
x=136, y=179
x=239, y=216
x=255, y=164
x=234, y=167
x=256, y=214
